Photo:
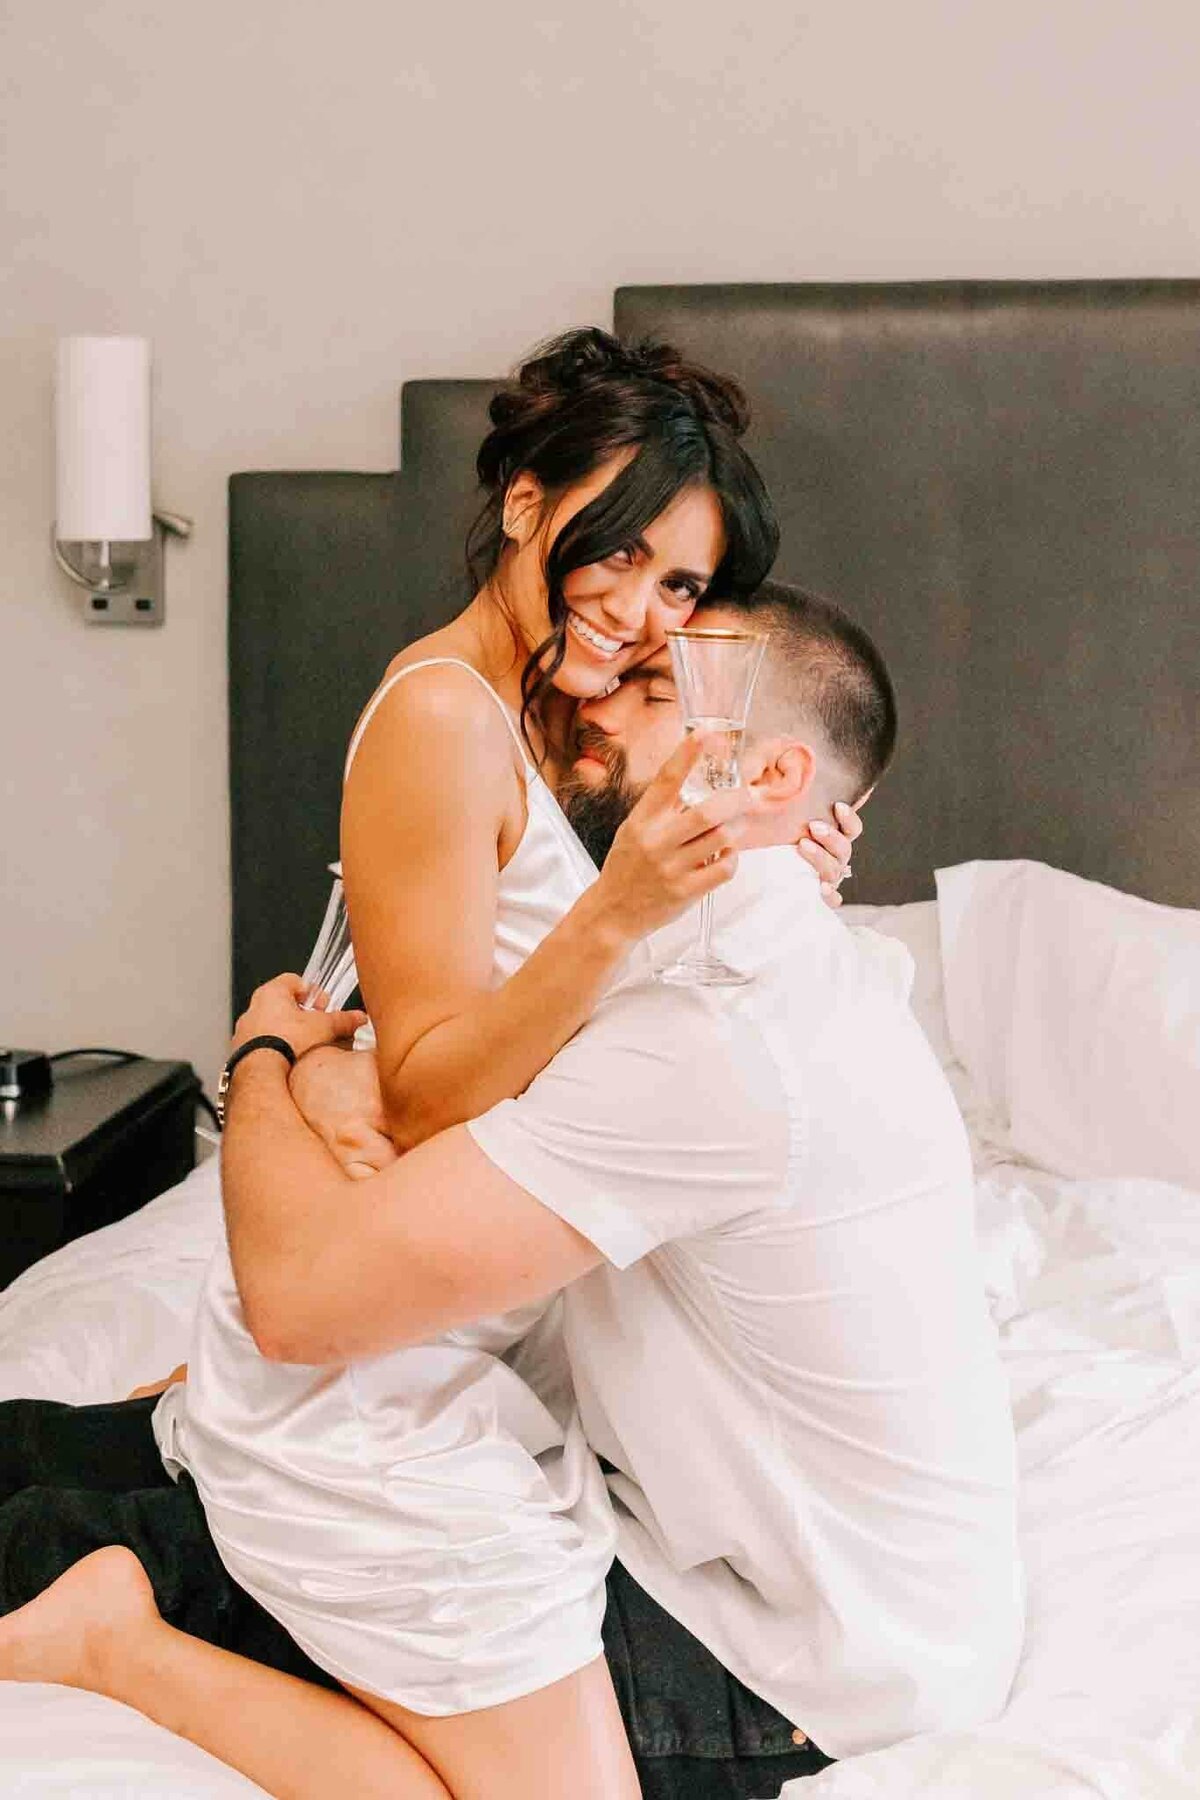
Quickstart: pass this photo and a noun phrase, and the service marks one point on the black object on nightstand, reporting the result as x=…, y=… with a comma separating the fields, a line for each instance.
x=102, y=1141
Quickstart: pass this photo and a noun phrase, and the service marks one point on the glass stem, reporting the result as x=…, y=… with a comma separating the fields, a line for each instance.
x=704, y=949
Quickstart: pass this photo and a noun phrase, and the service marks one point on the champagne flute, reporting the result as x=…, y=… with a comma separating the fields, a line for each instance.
x=715, y=672
x=330, y=969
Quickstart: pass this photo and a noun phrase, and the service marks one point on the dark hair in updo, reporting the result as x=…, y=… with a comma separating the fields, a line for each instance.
x=580, y=399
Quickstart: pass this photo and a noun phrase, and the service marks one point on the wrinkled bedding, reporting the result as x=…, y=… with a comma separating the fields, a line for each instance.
x=1094, y=1284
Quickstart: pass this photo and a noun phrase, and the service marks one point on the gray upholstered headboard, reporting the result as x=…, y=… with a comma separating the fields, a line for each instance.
x=999, y=479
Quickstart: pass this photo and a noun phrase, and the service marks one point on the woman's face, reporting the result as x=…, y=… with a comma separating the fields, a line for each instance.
x=619, y=610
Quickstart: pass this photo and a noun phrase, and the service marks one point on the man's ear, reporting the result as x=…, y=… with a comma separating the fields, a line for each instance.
x=780, y=770
x=522, y=507
x=780, y=773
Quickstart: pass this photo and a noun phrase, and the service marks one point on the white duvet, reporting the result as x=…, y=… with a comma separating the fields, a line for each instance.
x=1095, y=1285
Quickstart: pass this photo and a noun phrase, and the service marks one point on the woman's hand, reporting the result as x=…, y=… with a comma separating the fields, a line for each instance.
x=339, y=1098
x=275, y=1011
x=667, y=855
x=827, y=849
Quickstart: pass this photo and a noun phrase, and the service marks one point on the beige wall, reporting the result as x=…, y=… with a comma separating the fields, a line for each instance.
x=303, y=205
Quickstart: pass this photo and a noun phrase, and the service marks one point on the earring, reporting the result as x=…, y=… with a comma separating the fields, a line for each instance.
x=513, y=523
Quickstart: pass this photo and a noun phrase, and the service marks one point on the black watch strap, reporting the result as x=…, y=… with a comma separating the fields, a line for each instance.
x=265, y=1042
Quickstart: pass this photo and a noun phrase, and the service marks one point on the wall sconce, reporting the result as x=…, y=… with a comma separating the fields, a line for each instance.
x=107, y=536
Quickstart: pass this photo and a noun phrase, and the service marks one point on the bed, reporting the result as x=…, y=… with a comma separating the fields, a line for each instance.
x=999, y=479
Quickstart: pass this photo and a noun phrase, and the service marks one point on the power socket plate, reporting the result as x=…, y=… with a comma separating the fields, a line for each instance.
x=125, y=608
x=141, y=602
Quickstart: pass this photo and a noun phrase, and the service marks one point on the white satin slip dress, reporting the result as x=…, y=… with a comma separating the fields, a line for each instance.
x=425, y=1524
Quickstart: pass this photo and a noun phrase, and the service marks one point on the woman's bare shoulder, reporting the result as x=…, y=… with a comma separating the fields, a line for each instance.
x=437, y=727
x=445, y=684
x=447, y=640
x=447, y=699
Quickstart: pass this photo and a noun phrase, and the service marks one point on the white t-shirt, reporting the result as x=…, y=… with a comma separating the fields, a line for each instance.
x=788, y=1356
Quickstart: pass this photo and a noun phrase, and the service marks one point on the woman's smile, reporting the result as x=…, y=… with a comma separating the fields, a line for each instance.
x=593, y=639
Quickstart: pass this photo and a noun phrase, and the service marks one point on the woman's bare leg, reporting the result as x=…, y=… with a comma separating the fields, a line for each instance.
x=97, y=1627
x=568, y=1738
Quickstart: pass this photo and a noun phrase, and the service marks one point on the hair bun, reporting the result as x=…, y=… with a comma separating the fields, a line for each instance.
x=586, y=359
x=576, y=360
x=716, y=398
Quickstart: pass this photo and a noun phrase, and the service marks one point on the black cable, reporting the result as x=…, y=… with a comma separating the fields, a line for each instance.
x=132, y=1056
x=203, y=1100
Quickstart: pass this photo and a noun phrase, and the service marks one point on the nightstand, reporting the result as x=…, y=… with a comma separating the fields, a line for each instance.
x=107, y=1137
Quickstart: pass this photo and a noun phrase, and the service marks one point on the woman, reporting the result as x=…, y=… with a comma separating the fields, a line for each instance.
x=617, y=493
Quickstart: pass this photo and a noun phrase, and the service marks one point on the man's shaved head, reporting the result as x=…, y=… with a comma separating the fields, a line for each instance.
x=822, y=674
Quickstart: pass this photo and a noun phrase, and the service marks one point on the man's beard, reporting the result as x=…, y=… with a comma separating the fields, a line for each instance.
x=596, y=813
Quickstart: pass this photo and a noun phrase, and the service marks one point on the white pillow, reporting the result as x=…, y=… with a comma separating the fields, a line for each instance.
x=1076, y=1011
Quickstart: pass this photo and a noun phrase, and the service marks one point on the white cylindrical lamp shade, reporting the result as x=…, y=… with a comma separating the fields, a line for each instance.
x=102, y=417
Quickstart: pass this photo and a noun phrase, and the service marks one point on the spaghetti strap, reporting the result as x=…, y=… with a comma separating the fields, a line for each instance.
x=434, y=662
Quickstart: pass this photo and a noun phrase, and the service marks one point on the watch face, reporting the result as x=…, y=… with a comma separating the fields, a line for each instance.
x=222, y=1090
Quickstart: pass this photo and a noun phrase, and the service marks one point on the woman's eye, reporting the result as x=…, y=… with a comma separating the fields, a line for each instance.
x=683, y=591
x=660, y=699
x=623, y=556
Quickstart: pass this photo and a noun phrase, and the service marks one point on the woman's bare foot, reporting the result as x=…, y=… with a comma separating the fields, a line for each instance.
x=67, y=1633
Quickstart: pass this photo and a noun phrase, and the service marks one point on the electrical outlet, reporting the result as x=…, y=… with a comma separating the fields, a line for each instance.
x=127, y=607
x=139, y=599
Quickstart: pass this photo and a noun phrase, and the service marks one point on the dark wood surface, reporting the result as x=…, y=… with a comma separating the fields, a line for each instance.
x=92, y=1104
x=106, y=1138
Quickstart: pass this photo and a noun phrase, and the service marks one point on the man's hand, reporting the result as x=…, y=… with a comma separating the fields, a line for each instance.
x=338, y=1094
x=827, y=849
x=160, y=1387
x=275, y=1011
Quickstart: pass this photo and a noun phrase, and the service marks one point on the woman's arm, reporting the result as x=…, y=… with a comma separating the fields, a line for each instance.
x=422, y=820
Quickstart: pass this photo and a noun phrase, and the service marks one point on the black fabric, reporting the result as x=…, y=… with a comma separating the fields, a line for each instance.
x=695, y=1731
x=105, y=1449
x=74, y=1479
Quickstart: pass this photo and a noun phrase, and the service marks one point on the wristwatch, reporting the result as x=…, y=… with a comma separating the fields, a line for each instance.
x=254, y=1043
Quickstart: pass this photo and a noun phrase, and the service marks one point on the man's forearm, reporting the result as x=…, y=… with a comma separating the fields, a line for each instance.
x=281, y=1186
x=330, y=1269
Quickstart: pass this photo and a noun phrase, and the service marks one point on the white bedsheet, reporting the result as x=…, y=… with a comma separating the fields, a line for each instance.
x=113, y=1310
x=1096, y=1286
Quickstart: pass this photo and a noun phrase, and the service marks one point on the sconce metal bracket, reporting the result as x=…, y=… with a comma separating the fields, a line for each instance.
x=136, y=595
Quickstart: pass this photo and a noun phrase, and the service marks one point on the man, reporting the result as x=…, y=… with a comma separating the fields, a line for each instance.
x=758, y=1202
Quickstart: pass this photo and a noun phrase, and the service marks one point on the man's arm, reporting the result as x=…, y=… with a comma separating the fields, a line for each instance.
x=330, y=1269
x=662, y=1118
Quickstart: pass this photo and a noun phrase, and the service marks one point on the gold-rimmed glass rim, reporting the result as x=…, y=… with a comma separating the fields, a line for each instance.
x=728, y=633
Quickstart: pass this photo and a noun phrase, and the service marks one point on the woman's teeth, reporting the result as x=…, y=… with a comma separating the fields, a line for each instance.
x=606, y=646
